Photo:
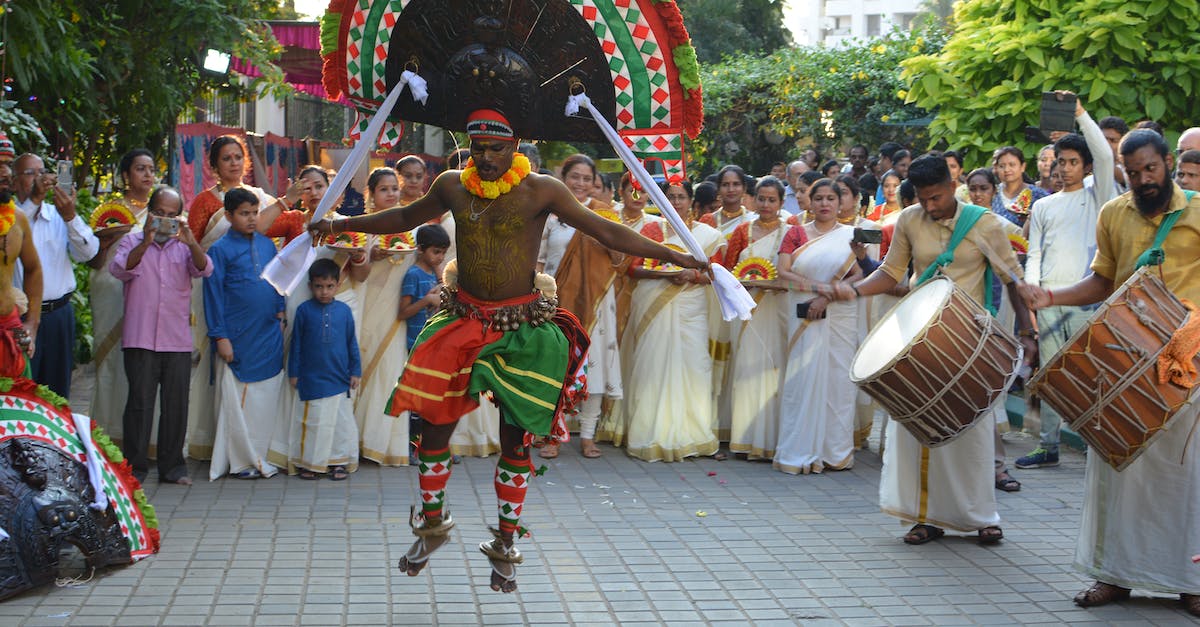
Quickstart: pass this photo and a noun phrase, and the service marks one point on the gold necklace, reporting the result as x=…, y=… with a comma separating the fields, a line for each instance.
x=474, y=216
x=630, y=221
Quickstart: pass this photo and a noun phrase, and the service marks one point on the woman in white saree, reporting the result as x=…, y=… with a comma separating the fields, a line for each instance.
x=816, y=419
x=758, y=345
x=383, y=438
x=108, y=296
x=665, y=406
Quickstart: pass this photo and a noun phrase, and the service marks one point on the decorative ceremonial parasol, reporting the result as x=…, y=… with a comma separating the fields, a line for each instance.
x=633, y=58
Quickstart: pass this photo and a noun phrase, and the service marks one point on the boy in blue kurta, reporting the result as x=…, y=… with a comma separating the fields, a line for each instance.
x=420, y=294
x=245, y=323
x=324, y=365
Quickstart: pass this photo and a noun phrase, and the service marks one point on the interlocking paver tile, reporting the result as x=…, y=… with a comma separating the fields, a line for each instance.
x=615, y=541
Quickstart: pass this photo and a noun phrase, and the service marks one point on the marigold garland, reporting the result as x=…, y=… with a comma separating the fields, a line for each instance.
x=8, y=216
x=503, y=185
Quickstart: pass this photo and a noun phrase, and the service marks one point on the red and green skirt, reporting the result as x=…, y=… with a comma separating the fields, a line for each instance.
x=455, y=359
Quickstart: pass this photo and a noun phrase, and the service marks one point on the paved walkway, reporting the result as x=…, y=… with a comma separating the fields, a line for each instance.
x=615, y=540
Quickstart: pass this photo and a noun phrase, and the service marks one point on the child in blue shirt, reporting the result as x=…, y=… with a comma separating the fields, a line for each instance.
x=245, y=325
x=324, y=365
x=420, y=294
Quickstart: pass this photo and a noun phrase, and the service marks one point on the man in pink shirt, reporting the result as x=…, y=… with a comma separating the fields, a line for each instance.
x=157, y=266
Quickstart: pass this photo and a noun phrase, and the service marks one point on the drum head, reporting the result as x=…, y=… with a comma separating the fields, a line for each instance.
x=893, y=335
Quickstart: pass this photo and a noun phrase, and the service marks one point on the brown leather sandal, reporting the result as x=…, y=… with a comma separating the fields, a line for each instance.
x=1191, y=603
x=1101, y=593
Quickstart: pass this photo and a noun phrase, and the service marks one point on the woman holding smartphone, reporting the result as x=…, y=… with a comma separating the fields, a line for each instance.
x=816, y=418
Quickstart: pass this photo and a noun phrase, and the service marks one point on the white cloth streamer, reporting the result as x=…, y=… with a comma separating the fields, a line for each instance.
x=95, y=463
x=735, y=301
x=285, y=271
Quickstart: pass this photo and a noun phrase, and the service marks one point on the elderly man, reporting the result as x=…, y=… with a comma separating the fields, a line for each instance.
x=60, y=237
x=792, y=203
x=1189, y=140
x=16, y=244
x=157, y=266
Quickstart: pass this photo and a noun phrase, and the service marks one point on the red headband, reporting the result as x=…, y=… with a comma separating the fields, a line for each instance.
x=489, y=124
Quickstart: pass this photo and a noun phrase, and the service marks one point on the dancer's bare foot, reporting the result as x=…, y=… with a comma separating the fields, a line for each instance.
x=431, y=534
x=549, y=450
x=589, y=449
x=504, y=558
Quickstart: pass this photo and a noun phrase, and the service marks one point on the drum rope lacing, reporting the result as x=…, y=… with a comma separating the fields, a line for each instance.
x=987, y=326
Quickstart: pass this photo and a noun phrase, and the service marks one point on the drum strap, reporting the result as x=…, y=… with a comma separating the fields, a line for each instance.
x=967, y=218
x=1155, y=256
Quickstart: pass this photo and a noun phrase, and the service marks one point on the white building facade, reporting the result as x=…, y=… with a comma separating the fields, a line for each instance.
x=832, y=22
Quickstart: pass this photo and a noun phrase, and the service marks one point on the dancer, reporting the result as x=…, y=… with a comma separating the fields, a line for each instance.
x=491, y=333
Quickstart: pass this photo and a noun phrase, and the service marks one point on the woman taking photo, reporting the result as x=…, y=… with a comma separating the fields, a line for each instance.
x=816, y=422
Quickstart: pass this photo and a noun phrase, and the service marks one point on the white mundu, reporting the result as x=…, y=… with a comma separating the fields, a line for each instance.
x=951, y=486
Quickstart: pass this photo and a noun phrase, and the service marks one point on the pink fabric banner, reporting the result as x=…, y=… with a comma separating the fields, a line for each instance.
x=190, y=159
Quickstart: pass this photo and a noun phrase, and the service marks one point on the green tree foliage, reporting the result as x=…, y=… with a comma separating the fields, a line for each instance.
x=104, y=77
x=762, y=109
x=721, y=28
x=1132, y=58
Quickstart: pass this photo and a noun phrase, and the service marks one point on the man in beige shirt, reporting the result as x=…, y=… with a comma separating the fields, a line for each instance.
x=952, y=485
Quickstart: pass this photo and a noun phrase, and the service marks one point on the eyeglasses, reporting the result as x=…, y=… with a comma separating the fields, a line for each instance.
x=35, y=172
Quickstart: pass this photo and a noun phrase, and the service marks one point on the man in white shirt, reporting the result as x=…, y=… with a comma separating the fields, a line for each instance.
x=60, y=237
x=791, y=205
x=1062, y=243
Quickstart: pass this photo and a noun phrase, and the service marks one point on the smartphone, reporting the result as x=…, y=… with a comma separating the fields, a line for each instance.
x=1057, y=115
x=802, y=311
x=66, y=174
x=867, y=236
x=166, y=226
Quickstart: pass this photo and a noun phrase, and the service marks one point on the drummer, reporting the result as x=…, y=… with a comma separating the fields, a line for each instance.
x=950, y=486
x=1138, y=526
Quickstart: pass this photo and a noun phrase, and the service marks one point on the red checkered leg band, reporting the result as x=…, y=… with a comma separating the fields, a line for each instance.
x=434, y=467
x=512, y=481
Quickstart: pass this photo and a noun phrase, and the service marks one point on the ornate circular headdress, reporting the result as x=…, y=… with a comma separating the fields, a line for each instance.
x=633, y=58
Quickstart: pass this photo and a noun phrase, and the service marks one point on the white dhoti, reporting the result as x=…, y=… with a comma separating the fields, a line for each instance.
x=248, y=415
x=1141, y=526
x=951, y=486
x=478, y=431
x=323, y=434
